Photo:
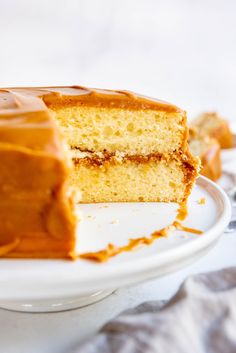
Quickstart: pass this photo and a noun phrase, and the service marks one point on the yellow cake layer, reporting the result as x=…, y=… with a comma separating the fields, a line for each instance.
x=114, y=129
x=133, y=181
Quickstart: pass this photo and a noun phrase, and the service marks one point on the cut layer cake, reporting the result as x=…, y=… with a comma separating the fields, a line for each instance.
x=124, y=147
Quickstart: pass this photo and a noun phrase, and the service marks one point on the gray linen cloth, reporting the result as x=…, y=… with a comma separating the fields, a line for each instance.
x=200, y=317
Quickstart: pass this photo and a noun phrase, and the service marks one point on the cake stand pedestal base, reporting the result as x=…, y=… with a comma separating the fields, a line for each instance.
x=54, y=305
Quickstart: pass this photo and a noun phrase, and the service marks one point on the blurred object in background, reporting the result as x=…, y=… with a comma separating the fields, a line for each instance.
x=208, y=150
x=213, y=125
x=209, y=133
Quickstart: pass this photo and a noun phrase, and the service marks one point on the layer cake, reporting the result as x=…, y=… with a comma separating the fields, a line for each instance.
x=124, y=147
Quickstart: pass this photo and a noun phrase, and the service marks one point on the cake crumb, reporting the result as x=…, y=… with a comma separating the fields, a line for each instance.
x=104, y=206
x=202, y=201
x=115, y=221
x=90, y=217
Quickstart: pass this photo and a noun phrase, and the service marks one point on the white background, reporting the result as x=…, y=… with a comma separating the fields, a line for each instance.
x=183, y=51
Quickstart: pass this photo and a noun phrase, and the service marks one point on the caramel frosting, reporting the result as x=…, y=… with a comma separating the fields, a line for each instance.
x=36, y=205
x=24, y=99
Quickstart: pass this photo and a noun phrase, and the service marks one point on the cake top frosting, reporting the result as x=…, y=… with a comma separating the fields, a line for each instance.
x=26, y=122
x=16, y=100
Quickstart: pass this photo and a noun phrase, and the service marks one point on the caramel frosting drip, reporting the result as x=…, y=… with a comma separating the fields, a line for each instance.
x=8, y=247
x=78, y=95
x=112, y=250
x=182, y=212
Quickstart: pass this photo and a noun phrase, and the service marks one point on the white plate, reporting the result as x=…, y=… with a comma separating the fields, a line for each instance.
x=49, y=285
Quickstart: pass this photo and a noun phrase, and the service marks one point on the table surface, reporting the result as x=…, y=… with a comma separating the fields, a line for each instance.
x=181, y=51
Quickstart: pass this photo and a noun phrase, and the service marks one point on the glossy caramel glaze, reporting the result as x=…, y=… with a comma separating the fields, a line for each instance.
x=78, y=95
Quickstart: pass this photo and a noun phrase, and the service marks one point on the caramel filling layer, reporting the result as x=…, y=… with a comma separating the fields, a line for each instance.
x=100, y=158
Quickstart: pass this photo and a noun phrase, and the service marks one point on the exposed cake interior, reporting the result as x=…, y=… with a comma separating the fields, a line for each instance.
x=135, y=132
x=133, y=178
x=127, y=153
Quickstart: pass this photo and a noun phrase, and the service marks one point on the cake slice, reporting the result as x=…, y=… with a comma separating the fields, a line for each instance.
x=125, y=147
x=213, y=125
x=208, y=150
